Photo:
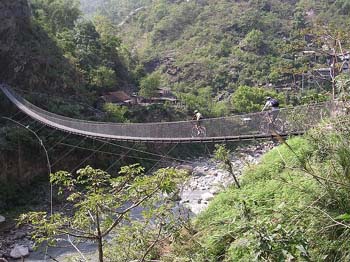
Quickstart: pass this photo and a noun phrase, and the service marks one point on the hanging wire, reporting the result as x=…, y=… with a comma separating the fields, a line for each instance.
x=67, y=153
x=63, y=138
x=116, y=161
x=46, y=153
x=114, y=154
x=142, y=151
x=88, y=157
x=161, y=159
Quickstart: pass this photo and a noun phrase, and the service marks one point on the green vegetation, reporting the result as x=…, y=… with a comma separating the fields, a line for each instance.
x=208, y=50
x=149, y=85
x=102, y=203
x=251, y=99
x=293, y=206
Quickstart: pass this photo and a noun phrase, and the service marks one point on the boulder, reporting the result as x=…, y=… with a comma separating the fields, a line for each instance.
x=19, y=235
x=2, y=219
x=187, y=168
x=207, y=196
x=19, y=251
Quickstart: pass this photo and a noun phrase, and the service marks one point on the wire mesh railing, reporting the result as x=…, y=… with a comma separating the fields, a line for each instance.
x=288, y=121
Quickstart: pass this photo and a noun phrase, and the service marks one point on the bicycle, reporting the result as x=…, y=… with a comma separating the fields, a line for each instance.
x=198, y=131
x=267, y=125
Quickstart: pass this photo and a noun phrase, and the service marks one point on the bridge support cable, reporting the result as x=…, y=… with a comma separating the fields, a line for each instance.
x=114, y=154
x=142, y=151
x=67, y=153
x=41, y=128
x=161, y=159
x=16, y=114
x=50, y=134
x=88, y=157
x=63, y=138
x=46, y=154
x=121, y=157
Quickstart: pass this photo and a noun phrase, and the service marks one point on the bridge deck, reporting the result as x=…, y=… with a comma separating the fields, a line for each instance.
x=291, y=121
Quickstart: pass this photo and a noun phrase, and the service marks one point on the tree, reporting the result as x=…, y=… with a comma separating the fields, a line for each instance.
x=223, y=154
x=254, y=41
x=115, y=113
x=88, y=46
x=103, y=77
x=102, y=203
x=56, y=15
x=251, y=99
x=149, y=85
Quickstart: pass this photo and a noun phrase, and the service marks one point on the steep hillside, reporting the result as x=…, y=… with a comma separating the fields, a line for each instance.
x=29, y=58
x=116, y=10
x=60, y=62
x=292, y=206
x=215, y=46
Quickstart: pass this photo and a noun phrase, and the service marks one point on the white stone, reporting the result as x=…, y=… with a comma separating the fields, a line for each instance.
x=2, y=219
x=207, y=196
x=19, y=251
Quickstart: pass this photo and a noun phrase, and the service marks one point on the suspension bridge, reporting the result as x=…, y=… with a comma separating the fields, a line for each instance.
x=290, y=121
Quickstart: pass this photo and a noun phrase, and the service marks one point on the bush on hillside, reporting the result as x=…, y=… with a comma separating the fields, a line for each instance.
x=251, y=99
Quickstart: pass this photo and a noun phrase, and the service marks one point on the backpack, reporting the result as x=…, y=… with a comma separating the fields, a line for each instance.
x=274, y=103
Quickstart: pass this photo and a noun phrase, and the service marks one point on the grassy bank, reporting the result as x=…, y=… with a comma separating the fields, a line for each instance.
x=293, y=206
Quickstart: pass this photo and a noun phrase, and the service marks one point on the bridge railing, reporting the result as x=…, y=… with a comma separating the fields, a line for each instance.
x=289, y=120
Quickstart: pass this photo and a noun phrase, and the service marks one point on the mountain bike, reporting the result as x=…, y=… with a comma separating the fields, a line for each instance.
x=198, y=130
x=267, y=125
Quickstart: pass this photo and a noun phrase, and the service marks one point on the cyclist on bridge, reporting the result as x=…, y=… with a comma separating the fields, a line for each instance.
x=198, y=117
x=274, y=105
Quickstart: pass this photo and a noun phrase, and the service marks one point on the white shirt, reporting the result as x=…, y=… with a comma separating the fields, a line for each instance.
x=198, y=116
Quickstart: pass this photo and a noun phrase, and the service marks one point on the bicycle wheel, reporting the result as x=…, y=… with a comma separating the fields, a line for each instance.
x=202, y=131
x=194, y=132
x=278, y=126
x=264, y=127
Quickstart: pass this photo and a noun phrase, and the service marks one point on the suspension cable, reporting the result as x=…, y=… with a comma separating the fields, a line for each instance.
x=161, y=159
x=46, y=153
x=114, y=154
x=63, y=138
x=142, y=151
x=116, y=161
x=87, y=158
x=67, y=153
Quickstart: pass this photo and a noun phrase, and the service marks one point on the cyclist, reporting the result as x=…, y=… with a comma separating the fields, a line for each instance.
x=274, y=105
x=198, y=117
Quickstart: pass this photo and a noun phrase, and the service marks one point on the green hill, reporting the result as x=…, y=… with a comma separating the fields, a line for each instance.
x=210, y=48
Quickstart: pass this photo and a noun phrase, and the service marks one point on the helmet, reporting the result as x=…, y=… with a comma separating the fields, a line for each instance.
x=195, y=111
x=268, y=97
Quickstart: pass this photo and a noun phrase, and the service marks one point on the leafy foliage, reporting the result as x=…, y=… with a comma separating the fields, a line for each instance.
x=149, y=85
x=291, y=206
x=102, y=203
x=248, y=99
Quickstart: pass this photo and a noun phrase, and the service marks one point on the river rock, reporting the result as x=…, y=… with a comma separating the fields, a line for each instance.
x=2, y=219
x=207, y=196
x=19, y=251
x=187, y=168
x=19, y=235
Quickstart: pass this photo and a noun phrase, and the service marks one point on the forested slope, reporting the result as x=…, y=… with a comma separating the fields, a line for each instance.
x=206, y=50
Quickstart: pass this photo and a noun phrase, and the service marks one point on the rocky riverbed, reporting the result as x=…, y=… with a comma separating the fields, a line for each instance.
x=207, y=180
